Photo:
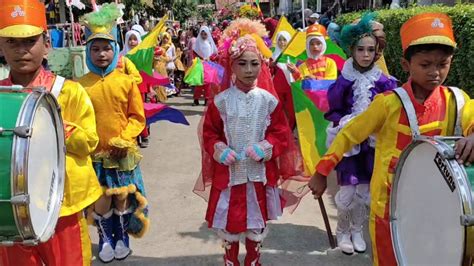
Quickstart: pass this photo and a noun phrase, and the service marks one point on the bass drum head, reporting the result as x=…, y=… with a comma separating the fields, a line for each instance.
x=45, y=176
x=426, y=227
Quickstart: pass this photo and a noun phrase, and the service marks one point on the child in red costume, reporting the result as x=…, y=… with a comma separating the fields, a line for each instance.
x=245, y=130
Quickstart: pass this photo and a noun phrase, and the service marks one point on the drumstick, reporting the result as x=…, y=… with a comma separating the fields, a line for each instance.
x=332, y=242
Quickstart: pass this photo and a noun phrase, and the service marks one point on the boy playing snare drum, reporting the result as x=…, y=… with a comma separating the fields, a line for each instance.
x=24, y=44
x=428, y=47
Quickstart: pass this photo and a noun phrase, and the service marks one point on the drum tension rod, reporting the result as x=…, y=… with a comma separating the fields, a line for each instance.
x=467, y=220
x=21, y=131
x=18, y=200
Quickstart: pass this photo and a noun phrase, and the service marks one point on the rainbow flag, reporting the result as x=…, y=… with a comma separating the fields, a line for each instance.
x=203, y=72
x=142, y=55
x=310, y=102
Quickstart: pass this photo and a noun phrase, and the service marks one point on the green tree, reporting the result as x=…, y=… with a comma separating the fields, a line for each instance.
x=183, y=10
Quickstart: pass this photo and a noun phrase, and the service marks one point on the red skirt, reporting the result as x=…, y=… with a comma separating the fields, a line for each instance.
x=243, y=207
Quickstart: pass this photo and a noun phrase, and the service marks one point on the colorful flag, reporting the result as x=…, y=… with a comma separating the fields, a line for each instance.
x=310, y=103
x=257, y=3
x=283, y=25
x=142, y=55
x=296, y=50
x=204, y=72
x=155, y=112
x=194, y=76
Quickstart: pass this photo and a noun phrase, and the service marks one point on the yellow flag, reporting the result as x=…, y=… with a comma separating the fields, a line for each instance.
x=297, y=45
x=151, y=39
x=283, y=25
x=142, y=54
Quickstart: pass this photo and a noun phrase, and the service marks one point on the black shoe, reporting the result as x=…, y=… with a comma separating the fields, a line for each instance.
x=144, y=142
x=196, y=103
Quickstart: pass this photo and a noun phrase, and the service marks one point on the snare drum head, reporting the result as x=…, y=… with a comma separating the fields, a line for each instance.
x=45, y=183
x=426, y=208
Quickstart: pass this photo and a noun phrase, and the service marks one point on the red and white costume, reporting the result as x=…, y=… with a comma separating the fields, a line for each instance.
x=244, y=196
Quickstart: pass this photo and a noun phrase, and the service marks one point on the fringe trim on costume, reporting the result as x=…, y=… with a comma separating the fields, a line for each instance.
x=257, y=237
x=228, y=236
x=142, y=201
x=129, y=163
x=145, y=221
x=121, y=191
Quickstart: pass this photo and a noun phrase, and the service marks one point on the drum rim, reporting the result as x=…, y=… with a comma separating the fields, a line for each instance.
x=20, y=166
x=461, y=181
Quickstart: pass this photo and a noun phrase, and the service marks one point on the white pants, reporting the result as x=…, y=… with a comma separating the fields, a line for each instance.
x=352, y=194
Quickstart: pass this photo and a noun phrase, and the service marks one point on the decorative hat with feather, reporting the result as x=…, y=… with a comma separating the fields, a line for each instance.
x=352, y=33
x=102, y=24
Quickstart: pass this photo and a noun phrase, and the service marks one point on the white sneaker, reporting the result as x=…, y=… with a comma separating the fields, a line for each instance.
x=107, y=253
x=358, y=241
x=344, y=243
x=121, y=251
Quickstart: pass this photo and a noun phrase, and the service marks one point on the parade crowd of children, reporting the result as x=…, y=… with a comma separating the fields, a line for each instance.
x=247, y=126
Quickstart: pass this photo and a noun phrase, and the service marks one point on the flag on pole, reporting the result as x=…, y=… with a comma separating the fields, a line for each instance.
x=283, y=25
x=257, y=3
x=296, y=50
x=142, y=55
x=310, y=103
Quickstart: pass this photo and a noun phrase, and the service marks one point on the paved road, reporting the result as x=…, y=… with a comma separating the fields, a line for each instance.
x=178, y=234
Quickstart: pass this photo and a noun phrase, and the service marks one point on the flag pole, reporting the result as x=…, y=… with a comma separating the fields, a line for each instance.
x=73, y=33
x=332, y=242
x=302, y=13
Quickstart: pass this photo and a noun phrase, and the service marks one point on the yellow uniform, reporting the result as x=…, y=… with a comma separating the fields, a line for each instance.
x=387, y=119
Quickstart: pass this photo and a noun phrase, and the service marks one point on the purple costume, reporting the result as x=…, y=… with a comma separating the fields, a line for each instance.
x=356, y=167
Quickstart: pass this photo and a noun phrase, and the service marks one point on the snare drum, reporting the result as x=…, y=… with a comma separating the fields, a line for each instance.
x=32, y=165
x=431, y=205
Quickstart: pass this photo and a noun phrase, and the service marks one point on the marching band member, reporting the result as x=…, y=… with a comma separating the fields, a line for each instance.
x=360, y=80
x=317, y=65
x=245, y=131
x=24, y=44
x=428, y=46
x=122, y=209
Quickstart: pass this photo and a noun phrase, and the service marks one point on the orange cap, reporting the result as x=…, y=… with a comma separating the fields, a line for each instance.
x=22, y=18
x=427, y=28
x=316, y=30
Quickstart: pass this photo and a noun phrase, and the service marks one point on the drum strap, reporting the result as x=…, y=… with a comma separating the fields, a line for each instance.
x=57, y=86
x=409, y=110
x=459, y=105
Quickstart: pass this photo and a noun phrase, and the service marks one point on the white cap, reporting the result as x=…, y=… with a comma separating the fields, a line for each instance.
x=314, y=15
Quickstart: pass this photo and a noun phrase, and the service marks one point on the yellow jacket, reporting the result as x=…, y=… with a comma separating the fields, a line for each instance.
x=118, y=107
x=321, y=68
x=128, y=67
x=81, y=187
x=386, y=118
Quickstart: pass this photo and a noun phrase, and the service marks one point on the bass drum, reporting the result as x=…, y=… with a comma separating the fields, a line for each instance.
x=32, y=165
x=431, y=205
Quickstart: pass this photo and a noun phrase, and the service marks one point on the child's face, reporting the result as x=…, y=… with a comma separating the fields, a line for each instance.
x=247, y=67
x=282, y=42
x=132, y=41
x=165, y=39
x=428, y=70
x=364, y=51
x=203, y=35
x=102, y=53
x=315, y=47
x=24, y=55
